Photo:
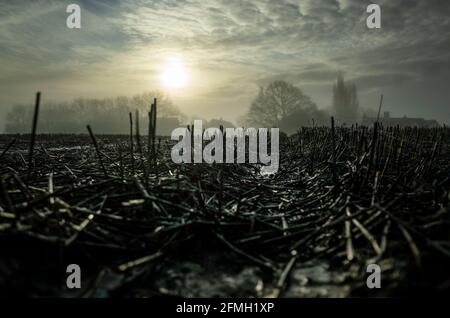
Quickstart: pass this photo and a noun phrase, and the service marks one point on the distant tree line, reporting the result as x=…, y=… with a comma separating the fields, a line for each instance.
x=279, y=104
x=106, y=116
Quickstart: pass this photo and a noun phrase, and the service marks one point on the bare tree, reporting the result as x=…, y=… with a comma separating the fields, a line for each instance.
x=166, y=108
x=280, y=102
x=18, y=119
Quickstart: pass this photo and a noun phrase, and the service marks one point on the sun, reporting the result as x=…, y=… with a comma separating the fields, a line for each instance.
x=174, y=75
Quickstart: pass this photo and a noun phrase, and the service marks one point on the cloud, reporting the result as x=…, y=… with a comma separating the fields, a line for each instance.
x=232, y=46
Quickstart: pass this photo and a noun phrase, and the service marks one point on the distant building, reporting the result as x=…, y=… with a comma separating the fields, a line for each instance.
x=387, y=121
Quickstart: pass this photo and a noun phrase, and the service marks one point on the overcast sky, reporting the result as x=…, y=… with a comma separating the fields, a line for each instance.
x=228, y=47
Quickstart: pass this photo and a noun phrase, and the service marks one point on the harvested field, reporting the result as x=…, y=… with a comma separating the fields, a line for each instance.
x=139, y=225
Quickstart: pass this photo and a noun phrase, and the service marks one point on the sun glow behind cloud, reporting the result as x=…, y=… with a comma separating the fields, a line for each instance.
x=175, y=75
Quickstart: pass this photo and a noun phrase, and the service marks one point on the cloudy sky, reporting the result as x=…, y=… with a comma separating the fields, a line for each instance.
x=228, y=48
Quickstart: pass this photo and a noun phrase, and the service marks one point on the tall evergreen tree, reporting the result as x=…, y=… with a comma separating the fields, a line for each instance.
x=345, y=101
